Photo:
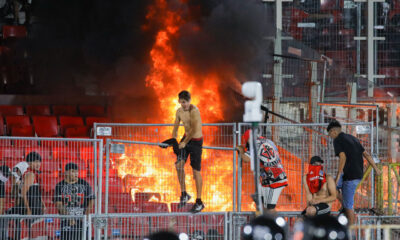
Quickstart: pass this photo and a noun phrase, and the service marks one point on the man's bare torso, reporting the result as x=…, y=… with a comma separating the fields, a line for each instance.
x=322, y=193
x=186, y=118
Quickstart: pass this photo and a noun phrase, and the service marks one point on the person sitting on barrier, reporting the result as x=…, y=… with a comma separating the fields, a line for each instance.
x=320, y=189
x=351, y=166
x=191, y=144
x=73, y=196
x=272, y=175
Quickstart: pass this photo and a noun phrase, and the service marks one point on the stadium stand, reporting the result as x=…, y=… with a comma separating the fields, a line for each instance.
x=7, y=110
x=40, y=110
x=46, y=126
x=91, y=110
x=65, y=110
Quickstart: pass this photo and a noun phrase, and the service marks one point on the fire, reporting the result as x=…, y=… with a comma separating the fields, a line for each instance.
x=149, y=169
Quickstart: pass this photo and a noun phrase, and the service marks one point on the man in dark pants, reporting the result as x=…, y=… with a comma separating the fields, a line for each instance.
x=350, y=171
x=73, y=196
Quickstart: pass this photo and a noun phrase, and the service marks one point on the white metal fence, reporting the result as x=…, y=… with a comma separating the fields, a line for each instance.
x=43, y=227
x=55, y=154
x=377, y=227
x=138, y=226
x=297, y=143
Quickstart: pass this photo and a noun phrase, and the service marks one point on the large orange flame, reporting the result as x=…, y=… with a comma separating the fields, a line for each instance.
x=168, y=76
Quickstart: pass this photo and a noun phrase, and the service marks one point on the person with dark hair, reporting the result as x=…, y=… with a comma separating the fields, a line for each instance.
x=191, y=144
x=273, y=178
x=73, y=196
x=30, y=189
x=351, y=166
x=320, y=189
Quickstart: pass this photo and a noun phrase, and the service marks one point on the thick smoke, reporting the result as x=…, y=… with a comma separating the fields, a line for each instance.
x=233, y=35
x=101, y=46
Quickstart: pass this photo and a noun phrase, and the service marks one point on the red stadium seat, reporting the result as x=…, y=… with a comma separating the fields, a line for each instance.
x=186, y=208
x=70, y=121
x=91, y=120
x=115, y=185
x=22, y=131
x=18, y=121
x=76, y=132
x=154, y=207
x=12, y=152
x=92, y=110
x=67, y=153
x=40, y=110
x=7, y=110
x=65, y=110
x=45, y=126
x=14, y=31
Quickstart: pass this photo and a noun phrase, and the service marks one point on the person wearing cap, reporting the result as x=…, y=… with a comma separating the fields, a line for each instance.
x=73, y=196
x=351, y=166
x=320, y=189
x=272, y=175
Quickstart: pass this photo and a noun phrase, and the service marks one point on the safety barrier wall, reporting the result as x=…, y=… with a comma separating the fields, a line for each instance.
x=55, y=154
x=297, y=143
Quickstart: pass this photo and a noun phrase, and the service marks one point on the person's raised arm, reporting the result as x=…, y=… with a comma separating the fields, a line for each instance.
x=27, y=183
x=176, y=125
x=371, y=161
x=342, y=162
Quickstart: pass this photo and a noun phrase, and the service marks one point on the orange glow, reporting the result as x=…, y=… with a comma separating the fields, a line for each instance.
x=149, y=169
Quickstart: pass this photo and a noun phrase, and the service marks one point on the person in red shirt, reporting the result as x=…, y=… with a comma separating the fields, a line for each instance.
x=272, y=175
x=320, y=189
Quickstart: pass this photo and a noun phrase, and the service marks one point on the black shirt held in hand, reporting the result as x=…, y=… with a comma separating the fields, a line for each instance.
x=352, y=148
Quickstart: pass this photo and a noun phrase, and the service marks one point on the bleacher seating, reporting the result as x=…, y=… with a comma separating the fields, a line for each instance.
x=40, y=110
x=65, y=110
x=92, y=110
x=7, y=110
x=20, y=124
x=72, y=126
x=46, y=126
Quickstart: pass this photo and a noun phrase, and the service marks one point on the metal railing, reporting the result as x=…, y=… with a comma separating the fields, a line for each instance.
x=55, y=154
x=297, y=143
x=43, y=227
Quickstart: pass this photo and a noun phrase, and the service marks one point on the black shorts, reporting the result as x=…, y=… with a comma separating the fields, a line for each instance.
x=195, y=149
x=322, y=209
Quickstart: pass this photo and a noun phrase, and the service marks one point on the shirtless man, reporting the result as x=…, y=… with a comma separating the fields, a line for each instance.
x=191, y=144
x=320, y=189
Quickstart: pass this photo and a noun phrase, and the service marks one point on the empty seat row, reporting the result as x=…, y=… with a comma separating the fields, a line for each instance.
x=46, y=110
x=47, y=126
